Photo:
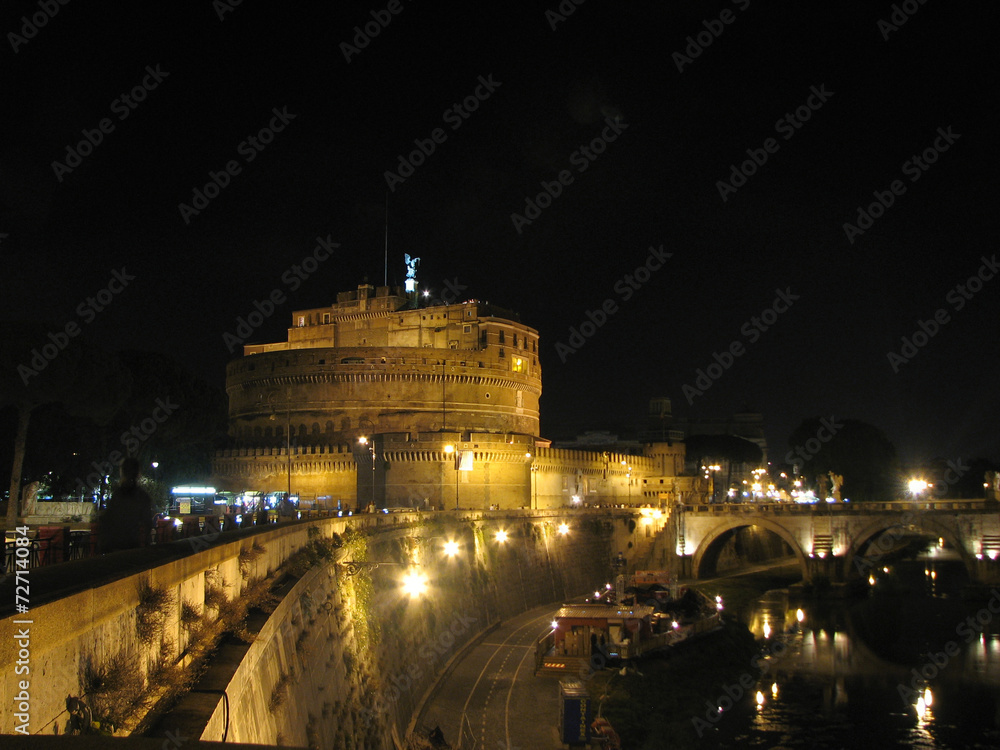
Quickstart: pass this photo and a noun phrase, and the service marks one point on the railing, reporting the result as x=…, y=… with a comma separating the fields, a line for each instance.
x=57, y=544
x=855, y=508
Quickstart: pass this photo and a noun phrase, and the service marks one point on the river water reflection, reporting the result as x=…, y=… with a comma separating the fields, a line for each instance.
x=905, y=667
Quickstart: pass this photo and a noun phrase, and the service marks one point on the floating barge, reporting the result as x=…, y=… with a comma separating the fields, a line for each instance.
x=591, y=636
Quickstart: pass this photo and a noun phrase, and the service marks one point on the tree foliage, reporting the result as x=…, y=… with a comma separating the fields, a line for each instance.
x=38, y=368
x=859, y=451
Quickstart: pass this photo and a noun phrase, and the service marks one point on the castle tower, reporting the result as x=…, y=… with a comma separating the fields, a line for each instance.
x=373, y=366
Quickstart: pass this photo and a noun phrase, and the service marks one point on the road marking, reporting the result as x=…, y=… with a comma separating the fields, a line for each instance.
x=510, y=691
x=488, y=661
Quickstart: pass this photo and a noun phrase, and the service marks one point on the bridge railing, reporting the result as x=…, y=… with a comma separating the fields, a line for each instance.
x=866, y=508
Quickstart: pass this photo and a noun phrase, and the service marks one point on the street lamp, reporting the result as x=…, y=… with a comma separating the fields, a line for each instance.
x=288, y=434
x=628, y=476
x=415, y=583
x=449, y=449
x=371, y=449
x=534, y=486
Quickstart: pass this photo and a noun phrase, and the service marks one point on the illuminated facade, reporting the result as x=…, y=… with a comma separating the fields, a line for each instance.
x=375, y=400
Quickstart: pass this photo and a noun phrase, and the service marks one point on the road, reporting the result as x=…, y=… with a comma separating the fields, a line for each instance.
x=493, y=701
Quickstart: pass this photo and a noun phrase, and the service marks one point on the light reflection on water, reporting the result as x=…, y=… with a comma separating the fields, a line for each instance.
x=824, y=687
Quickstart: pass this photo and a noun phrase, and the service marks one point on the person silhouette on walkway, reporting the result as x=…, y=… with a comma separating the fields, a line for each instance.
x=128, y=519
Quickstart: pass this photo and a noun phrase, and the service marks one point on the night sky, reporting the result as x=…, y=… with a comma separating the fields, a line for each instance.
x=864, y=98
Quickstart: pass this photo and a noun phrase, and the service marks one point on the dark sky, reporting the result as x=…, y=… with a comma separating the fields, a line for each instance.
x=553, y=91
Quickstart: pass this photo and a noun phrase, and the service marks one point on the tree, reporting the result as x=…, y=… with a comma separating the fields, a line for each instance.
x=859, y=451
x=169, y=417
x=45, y=364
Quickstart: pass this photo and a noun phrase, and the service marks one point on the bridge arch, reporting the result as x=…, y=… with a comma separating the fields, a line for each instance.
x=708, y=550
x=909, y=522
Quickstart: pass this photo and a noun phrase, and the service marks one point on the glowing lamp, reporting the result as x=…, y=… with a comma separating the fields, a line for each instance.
x=414, y=583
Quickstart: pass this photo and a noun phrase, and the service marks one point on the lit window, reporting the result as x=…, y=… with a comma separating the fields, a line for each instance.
x=516, y=364
x=302, y=320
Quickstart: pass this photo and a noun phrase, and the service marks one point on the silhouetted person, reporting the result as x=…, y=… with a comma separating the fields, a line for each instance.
x=128, y=519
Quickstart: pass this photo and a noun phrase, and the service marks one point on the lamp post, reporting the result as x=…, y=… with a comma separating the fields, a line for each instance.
x=628, y=476
x=288, y=434
x=534, y=485
x=371, y=449
x=449, y=450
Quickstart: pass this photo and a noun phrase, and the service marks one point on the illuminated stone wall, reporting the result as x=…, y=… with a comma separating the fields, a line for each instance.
x=373, y=369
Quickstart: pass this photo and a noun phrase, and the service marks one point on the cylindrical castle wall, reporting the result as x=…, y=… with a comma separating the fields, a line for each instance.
x=333, y=396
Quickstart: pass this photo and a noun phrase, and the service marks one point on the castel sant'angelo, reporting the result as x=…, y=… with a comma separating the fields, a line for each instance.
x=377, y=400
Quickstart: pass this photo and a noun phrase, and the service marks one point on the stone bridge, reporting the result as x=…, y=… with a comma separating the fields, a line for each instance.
x=840, y=541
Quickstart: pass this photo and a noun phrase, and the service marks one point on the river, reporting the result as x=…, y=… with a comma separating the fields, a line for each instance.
x=900, y=666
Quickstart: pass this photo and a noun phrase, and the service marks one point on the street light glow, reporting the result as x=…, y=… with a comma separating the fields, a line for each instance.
x=501, y=536
x=415, y=583
x=451, y=548
x=564, y=528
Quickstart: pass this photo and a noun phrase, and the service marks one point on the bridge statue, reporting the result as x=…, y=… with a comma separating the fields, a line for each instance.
x=836, y=481
x=29, y=499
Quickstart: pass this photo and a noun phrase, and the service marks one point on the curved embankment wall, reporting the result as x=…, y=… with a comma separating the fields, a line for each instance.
x=345, y=656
